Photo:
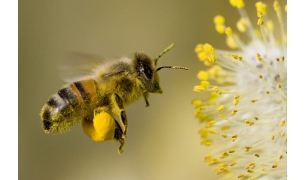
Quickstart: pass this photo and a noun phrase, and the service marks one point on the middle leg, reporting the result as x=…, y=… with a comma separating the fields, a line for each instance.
x=123, y=114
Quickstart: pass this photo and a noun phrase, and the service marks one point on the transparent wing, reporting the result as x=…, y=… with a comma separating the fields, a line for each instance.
x=78, y=65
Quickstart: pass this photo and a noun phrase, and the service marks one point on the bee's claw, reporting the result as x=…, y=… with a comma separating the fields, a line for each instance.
x=120, y=150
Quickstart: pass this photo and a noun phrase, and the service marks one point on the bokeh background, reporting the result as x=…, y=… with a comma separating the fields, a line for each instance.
x=163, y=140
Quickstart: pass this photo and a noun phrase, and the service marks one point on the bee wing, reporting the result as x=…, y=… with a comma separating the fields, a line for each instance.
x=78, y=65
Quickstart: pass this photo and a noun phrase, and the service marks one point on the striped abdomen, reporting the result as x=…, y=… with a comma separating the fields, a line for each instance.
x=70, y=105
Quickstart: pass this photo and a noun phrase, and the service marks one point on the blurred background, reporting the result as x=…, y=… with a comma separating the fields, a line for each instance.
x=163, y=140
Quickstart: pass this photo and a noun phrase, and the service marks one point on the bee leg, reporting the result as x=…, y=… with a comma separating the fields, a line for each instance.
x=118, y=133
x=145, y=94
x=103, y=127
x=123, y=115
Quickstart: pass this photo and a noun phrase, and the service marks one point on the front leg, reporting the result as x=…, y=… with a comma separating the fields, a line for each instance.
x=123, y=115
x=145, y=94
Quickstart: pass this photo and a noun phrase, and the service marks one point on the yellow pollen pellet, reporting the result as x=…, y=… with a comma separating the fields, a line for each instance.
x=283, y=58
x=283, y=134
x=257, y=155
x=234, y=139
x=221, y=108
x=224, y=135
x=282, y=123
x=260, y=76
x=233, y=112
x=247, y=121
x=250, y=171
x=281, y=157
x=278, y=59
x=229, y=31
x=251, y=123
x=256, y=118
x=267, y=92
x=253, y=100
x=234, y=136
x=236, y=96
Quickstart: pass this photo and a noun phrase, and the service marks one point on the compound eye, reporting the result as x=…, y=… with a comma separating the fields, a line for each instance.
x=147, y=71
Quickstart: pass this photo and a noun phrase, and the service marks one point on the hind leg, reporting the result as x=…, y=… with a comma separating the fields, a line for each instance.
x=103, y=127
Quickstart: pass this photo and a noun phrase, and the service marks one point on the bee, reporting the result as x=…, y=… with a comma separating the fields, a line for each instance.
x=95, y=100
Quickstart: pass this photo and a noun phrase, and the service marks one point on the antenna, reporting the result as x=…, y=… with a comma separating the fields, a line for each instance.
x=164, y=51
x=173, y=67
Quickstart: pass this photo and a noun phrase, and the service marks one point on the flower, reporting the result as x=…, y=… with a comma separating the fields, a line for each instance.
x=243, y=108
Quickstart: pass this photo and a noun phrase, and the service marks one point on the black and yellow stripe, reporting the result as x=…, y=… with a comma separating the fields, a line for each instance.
x=64, y=109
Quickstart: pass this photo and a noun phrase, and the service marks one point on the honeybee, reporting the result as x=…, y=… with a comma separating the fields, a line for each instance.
x=95, y=100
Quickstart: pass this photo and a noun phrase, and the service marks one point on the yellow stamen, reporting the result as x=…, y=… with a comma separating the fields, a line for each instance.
x=282, y=123
x=233, y=163
x=229, y=31
x=203, y=75
x=219, y=20
x=241, y=25
x=221, y=108
x=237, y=3
x=233, y=112
x=261, y=7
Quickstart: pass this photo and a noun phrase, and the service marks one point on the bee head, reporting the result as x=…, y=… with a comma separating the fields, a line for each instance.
x=146, y=67
x=147, y=73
